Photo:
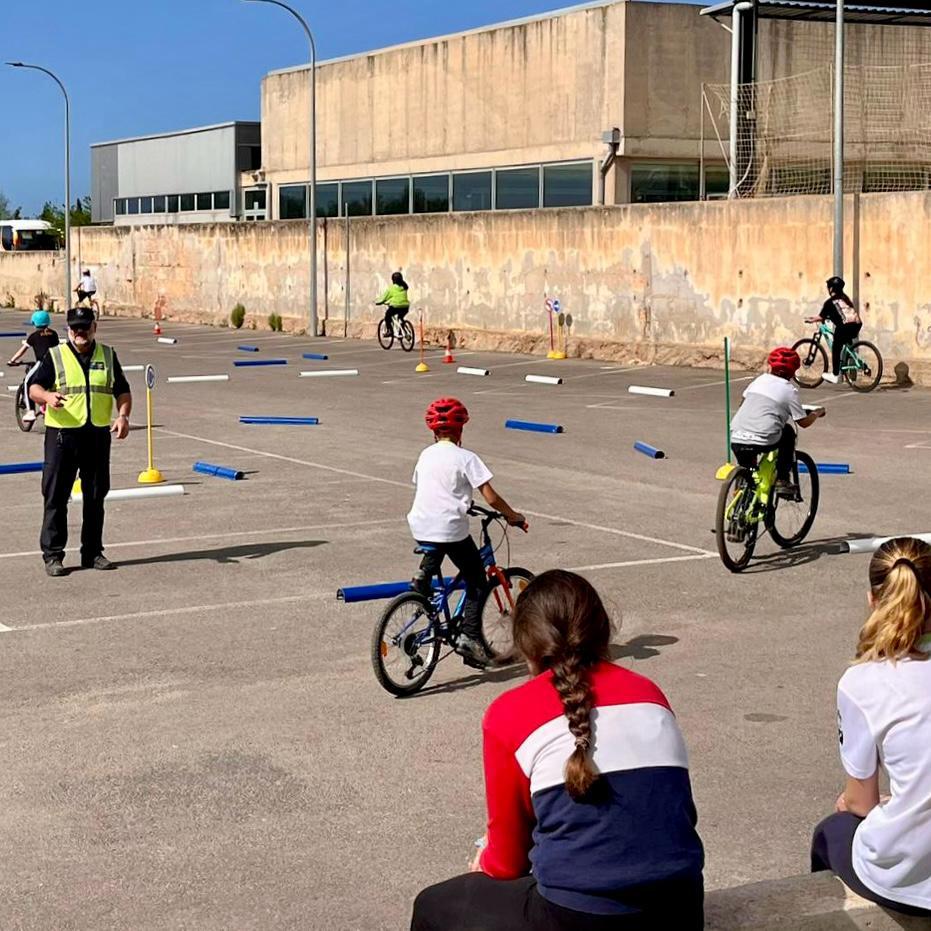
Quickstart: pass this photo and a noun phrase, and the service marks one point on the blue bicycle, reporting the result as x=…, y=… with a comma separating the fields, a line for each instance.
x=413, y=629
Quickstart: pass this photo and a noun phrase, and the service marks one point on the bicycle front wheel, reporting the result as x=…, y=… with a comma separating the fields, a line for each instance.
x=20, y=405
x=736, y=534
x=497, y=612
x=865, y=369
x=405, y=645
x=814, y=363
x=791, y=518
x=407, y=335
x=385, y=334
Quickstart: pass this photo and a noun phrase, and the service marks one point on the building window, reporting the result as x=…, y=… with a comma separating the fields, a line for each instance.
x=292, y=202
x=249, y=157
x=658, y=182
x=472, y=191
x=567, y=185
x=357, y=198
x=392, y=196
x=173, y=203
x=187, y=202
x=517, y=188
x=254, y=200
x=205, y=201
x=132, y=205
x=431, y=194
x=119, y=206
x=328, y=200
x=717, y=181
x=221, y=200
x=158, y=204
x=145, y=204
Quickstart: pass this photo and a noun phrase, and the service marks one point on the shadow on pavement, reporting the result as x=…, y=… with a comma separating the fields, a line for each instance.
x=505, y=674
x=801, y=555
x=226, y=555
x=642, y=646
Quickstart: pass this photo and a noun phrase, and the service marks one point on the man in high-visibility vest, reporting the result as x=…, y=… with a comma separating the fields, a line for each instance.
x=78, y=382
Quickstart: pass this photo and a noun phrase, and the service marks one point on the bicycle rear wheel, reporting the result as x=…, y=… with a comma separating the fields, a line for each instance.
x=869, y=366
x=407, y=335
x=385, y=334
x=405, y=646
x=20, y=406
x=791, y=518
x=814, y=363
x=736, y=536
x=497, y=610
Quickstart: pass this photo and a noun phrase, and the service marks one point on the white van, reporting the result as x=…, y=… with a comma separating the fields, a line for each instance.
x=28, y=236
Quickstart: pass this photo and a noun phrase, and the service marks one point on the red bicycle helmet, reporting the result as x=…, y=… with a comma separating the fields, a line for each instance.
x=784, y=361
x=447, y=415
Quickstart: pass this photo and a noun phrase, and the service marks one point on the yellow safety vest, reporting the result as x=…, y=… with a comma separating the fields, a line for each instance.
x=95, y=391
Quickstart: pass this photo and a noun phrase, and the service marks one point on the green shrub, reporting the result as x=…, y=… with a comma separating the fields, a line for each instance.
x=10, y=302
x=238, y=316
x=275, y=323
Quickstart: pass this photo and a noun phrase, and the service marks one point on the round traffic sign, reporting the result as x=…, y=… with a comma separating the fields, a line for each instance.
x=150, y=377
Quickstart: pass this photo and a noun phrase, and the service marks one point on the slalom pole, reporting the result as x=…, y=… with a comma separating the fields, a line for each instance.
x=727, y=394
x=423, y=367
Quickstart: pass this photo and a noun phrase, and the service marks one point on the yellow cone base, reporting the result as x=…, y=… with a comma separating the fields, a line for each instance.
x=76, y=487
x=423, y=367
x=555, y=354
x=724, y=472
x=150, y=477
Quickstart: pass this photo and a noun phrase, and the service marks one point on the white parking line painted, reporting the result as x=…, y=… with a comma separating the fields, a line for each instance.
x=168, y=612
x=612, y=371
x=641, y=562
x=714, y=384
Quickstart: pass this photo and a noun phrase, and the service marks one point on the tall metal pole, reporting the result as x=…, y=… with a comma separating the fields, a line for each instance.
x=54, y=77
x=313, y=158
x=839, y=141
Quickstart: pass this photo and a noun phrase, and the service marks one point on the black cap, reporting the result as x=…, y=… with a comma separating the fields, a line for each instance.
x=81, y=317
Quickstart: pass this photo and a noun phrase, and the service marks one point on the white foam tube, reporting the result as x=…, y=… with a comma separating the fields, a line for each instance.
x=326, y=374
x=184, y=379
x=150, y=491
x=167, y=339
x=653, y=392
x=465, y=370
x=133, y=368
x=543, y=379
x=12, y=387
x=871, y=544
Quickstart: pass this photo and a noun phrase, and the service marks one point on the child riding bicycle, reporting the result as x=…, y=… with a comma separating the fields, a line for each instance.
x=764, y=420
x=840, y=310
x=444, y=478
x=43, y=339
x=397, y=299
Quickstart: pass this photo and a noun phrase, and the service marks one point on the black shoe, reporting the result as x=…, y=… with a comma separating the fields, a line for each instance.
x=473, y=653
x=786, y=489
x=98, y=562
x=54, y=568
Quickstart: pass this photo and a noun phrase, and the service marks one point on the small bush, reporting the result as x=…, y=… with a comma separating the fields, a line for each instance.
x=40, y=301
x=238, y=316
x=10, y=302
x=275, y=323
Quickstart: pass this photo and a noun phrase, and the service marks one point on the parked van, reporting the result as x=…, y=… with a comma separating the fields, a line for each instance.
x=28, y=236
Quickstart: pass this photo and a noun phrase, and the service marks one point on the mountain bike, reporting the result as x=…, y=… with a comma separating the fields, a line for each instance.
x=401, y=329
x=748, y=503
x=19, y=404
x=413, y=629
x=861, y=362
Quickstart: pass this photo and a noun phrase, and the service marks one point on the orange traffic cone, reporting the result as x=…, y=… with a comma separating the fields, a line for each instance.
x=157, y=330
x=448, y=358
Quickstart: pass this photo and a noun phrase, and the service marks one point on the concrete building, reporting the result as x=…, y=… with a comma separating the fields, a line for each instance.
x=191, y=176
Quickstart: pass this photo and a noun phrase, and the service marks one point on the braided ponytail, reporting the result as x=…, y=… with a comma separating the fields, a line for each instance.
x=560, y=624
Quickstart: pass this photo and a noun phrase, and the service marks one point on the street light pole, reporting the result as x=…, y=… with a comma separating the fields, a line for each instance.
x=54, y=77
x=313, y=157
x=839, y=140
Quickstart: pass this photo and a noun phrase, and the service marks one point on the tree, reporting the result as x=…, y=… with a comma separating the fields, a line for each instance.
x=55, y=215
x=5, y=212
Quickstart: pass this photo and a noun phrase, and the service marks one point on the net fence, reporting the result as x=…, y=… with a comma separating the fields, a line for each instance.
x=785, y=130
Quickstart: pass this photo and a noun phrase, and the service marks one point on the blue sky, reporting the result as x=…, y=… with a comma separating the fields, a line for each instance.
x=140, y=66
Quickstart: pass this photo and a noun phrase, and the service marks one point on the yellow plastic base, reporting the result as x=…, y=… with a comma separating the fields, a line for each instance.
x=150, y=477
x=76, y=487
x=555, y=354
x=423, y=367
x=724, y=472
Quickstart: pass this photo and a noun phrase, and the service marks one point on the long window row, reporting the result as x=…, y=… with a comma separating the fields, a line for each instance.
x=563, y=184
x=171, y=203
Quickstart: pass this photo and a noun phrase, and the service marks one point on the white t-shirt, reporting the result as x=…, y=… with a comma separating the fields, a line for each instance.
x=88, y=284
x=770, y=402
x=444, y=477
x=884, y=715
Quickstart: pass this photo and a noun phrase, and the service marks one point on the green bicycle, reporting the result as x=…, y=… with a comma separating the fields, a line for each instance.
x=861, y=362
x=748, y=503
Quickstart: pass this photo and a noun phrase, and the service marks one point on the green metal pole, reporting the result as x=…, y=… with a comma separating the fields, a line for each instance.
x=727, y=393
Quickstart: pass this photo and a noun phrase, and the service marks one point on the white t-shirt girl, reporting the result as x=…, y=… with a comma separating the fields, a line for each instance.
x=884, y=716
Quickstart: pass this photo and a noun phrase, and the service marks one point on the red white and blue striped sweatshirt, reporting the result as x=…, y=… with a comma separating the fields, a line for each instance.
x=603, y=855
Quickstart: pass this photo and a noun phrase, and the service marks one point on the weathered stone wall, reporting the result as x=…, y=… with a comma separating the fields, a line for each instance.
x=661, y=283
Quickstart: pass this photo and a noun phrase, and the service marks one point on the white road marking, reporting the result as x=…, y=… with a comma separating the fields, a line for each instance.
x=168, y=612
x=641, y=562
x=629, y=368
x=713, y=384
x=835, y=397
x=4, y=629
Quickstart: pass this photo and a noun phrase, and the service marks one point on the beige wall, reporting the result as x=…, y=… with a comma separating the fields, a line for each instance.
x=657, y=282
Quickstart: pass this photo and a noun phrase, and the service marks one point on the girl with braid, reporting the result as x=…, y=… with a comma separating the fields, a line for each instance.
x=591, y=823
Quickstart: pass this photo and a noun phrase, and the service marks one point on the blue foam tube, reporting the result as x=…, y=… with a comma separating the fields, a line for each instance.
x=648, y=450
x=13, y=334
x=828, y=468
x=533, y=427
x=242, y=362
x=282, y=421
x=375, y=592
x=316, y=355
x=248, y=348
x=14, y=468
x=207, y=468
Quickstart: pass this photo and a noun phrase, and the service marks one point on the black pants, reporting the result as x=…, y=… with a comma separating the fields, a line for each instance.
x=748, y=455
x=476, y=902
x=84, y=451
x=464, y=554
x=391, y=313
x=844, y=334
x=832, y=849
